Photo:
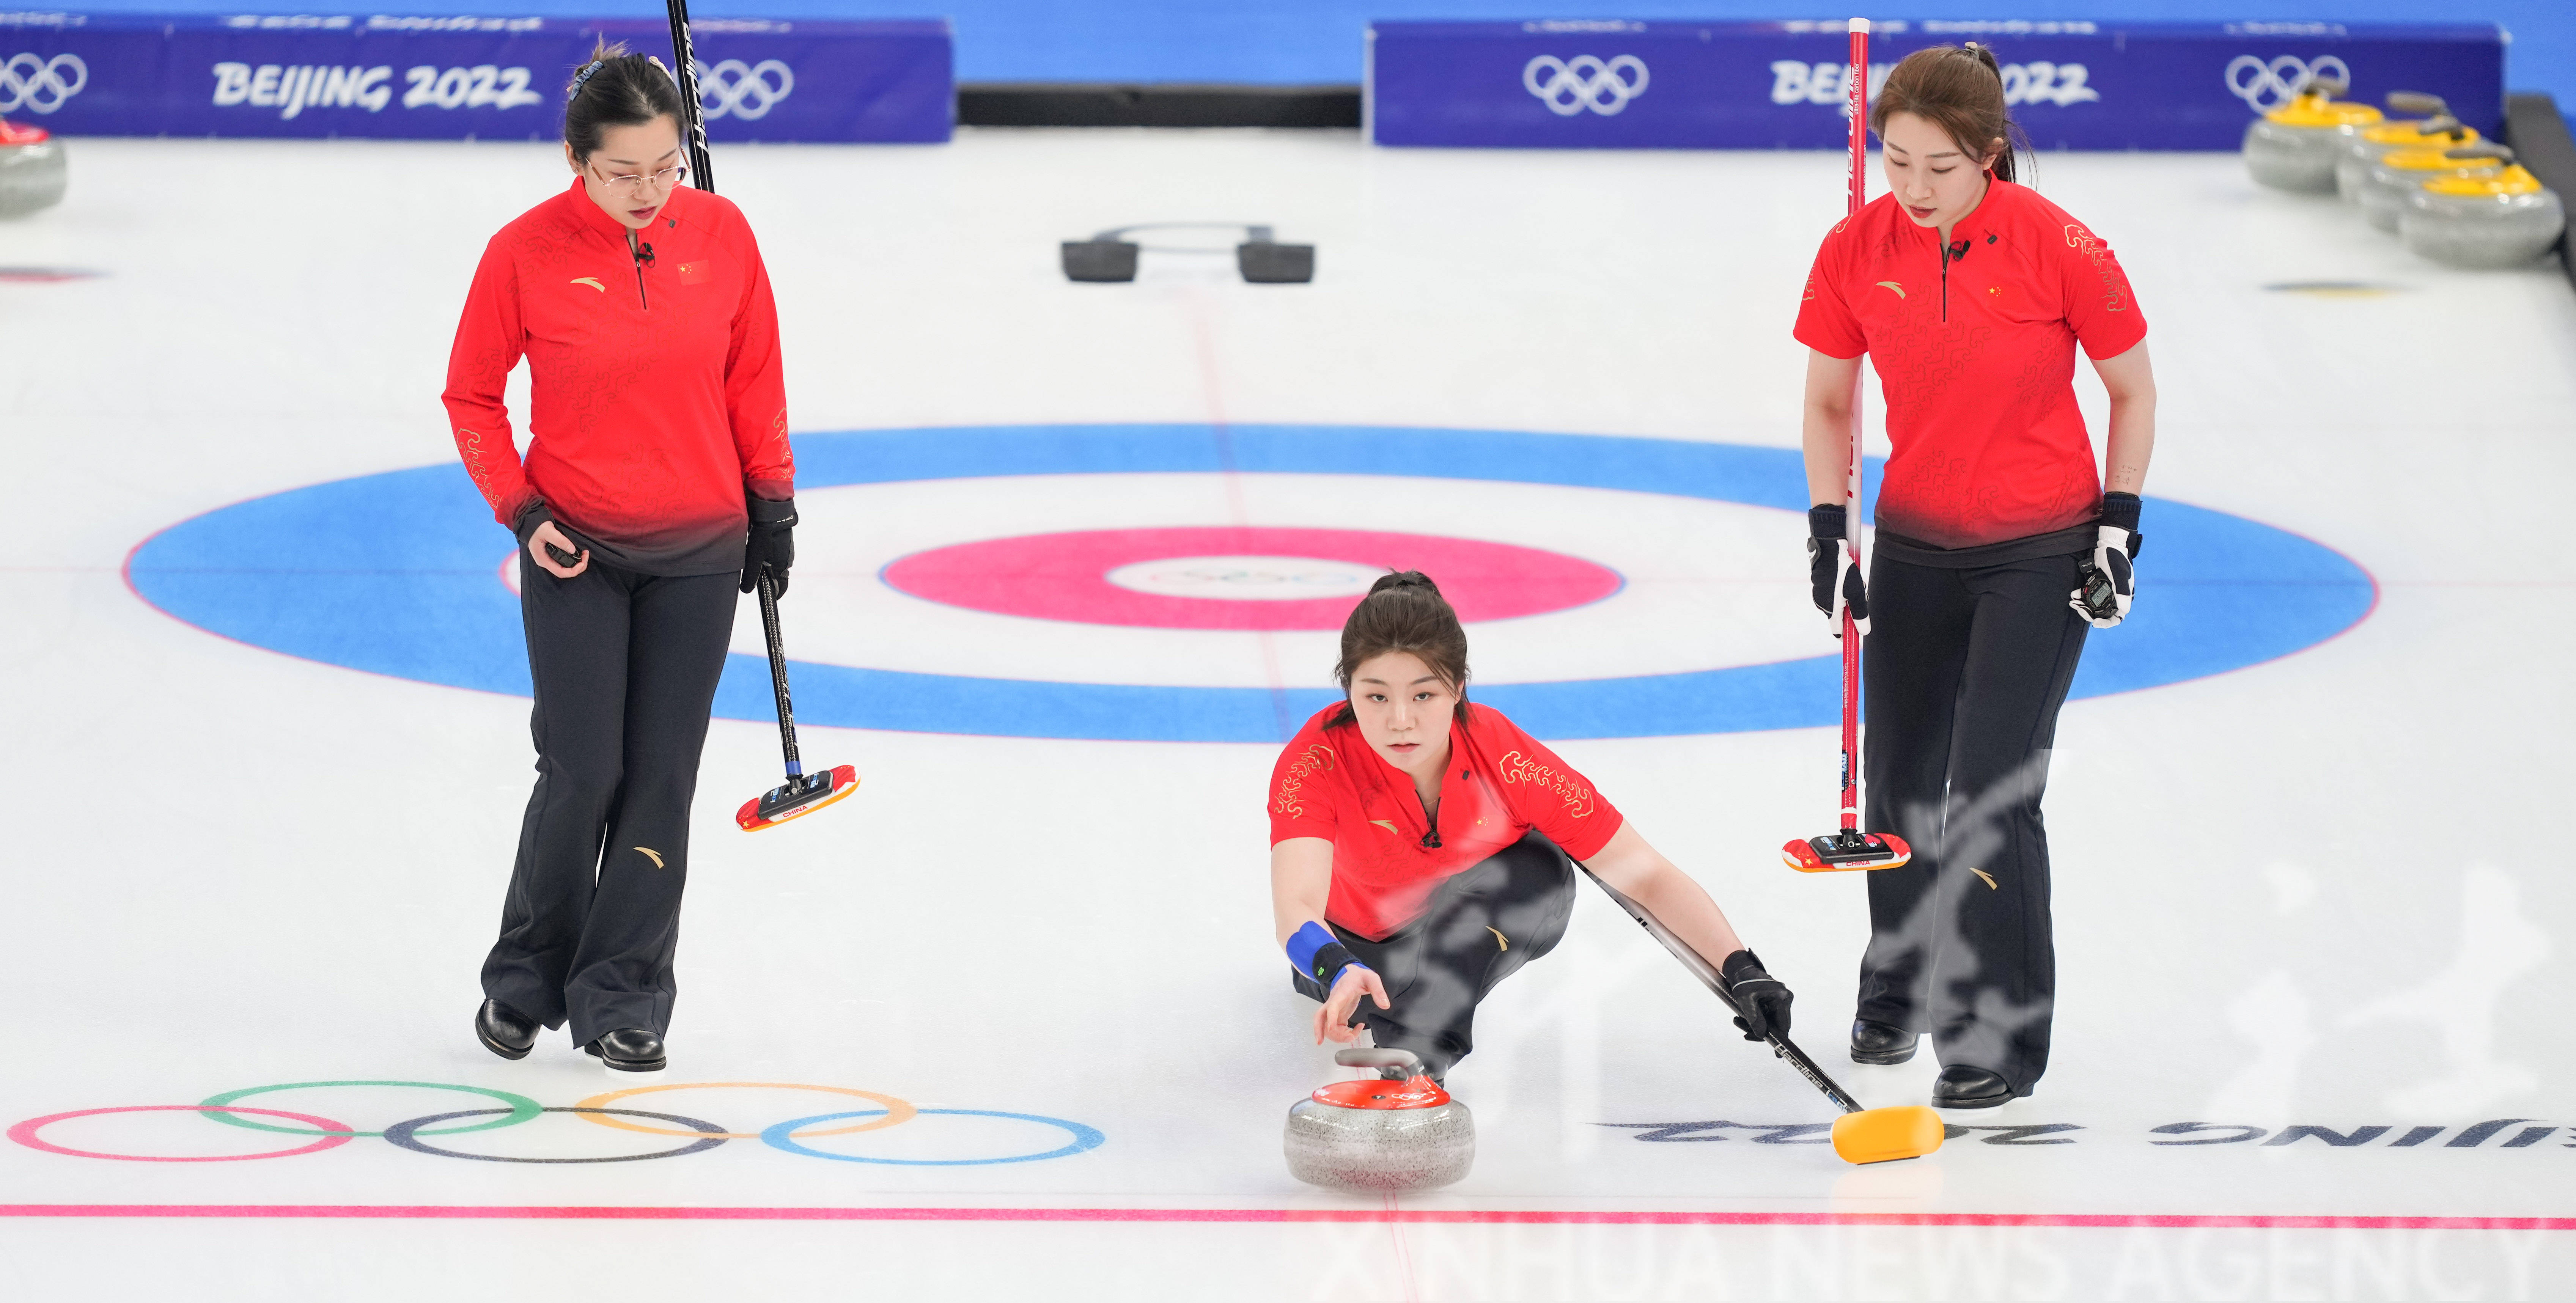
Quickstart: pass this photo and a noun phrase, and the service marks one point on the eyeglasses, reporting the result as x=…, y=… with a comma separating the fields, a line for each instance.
x=636, y=183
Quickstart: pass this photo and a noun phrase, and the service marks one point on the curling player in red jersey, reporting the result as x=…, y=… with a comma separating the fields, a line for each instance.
x=1997, y=550
x=657, y=485
x=1422, y=847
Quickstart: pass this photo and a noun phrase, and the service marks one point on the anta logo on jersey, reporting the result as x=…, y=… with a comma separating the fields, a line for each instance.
x=1518, y=768
x=1291, y=800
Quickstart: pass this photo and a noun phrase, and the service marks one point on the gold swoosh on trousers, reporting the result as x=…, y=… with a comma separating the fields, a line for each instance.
x=656, y=856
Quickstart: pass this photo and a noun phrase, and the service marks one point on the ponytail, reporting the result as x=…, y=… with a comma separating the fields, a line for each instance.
x=1961, y=90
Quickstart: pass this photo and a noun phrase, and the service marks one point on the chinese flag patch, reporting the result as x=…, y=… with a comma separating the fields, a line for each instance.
x=692, y=273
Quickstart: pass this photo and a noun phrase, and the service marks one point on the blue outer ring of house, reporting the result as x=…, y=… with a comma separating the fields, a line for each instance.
x=410, y=590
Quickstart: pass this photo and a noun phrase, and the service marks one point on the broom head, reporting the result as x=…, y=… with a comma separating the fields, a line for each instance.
x=1881, y=1135
x=1838, y=852
x=797, y=797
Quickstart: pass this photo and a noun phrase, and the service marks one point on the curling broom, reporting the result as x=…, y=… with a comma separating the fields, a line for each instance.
x=1861, y=1135
x=802, y=793
x=1851, y=848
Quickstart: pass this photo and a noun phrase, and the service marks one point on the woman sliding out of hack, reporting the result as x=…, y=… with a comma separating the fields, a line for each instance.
x=1423, y=848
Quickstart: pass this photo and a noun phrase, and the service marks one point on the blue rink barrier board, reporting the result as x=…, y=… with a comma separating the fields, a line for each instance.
x=1779, y=85
x=455, y=77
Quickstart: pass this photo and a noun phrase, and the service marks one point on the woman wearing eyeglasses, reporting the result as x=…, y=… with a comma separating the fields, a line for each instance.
x=658, y=447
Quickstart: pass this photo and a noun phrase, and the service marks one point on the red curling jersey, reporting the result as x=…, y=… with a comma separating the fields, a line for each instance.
x=1500, y=784
x=1975, y=354
x=656, y=385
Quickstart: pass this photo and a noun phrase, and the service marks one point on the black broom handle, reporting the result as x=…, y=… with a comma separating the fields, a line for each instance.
x=1708, y=974
x=778, y=673
x=702, y=169
x=702, y=173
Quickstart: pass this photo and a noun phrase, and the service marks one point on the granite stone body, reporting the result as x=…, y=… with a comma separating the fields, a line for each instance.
x=1378, y=1150
x=2486, y=231
x=2293, y=158
x=2389, y=188
x=31, y=177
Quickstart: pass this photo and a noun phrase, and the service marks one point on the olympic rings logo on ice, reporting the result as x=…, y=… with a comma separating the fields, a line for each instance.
x=2268, y=86
x=744, y=90
x=1569, y=86
x=39, y=84
x=323, y=1133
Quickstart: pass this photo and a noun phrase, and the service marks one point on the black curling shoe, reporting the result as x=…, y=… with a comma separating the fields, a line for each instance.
x=1876, y=1042
x=631, y=1050
x=504, y=1031
x=1961, y=1086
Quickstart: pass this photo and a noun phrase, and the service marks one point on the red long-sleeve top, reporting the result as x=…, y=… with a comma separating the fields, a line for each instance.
x=654, y=378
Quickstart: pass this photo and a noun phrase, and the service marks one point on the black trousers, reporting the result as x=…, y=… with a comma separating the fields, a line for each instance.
x=1478, y=928
x=625, y=667
x=1965, y=671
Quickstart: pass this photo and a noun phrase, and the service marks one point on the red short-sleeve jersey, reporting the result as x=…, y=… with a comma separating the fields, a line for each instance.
x=655, y=381
x=1500, y=784
x=1975, y=353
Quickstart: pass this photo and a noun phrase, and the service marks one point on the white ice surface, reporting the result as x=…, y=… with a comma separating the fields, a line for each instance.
x=2322, y=891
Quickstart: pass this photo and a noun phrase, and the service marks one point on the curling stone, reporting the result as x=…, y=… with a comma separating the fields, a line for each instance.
x=1390, y=1133
x=32, y=174
x=2435, y=129
x=2504, y=220
x=2294, y=146
x=2403, y=172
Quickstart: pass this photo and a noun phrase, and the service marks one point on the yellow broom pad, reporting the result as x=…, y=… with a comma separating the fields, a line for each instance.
x=1879, y=1135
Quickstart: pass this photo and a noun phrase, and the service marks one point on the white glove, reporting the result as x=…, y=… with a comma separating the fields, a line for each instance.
x=2108, y=581
x=1835, y=582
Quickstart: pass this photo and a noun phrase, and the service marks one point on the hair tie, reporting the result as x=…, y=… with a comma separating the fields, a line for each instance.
x=583, y=76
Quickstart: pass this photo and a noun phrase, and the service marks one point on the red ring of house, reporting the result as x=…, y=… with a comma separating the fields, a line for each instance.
x=1065, y=576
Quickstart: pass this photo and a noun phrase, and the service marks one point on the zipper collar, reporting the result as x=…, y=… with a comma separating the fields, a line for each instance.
x=1426, y=831
x=1972, y=228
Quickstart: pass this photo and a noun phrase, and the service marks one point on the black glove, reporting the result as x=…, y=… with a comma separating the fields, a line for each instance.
x=1763, y=998
x=532, y=515
x=772, y=545
x=2107, y=580
x=1828, y=561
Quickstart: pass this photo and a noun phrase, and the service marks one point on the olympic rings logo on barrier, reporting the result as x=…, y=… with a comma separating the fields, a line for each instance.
x=38, y=84
x=2268, y=86
x=744, y=90
x=1584, y=82
x=411, y=1133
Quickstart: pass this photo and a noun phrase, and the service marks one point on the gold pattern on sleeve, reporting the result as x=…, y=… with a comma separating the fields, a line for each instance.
x=1568, y=789
x=1291, y=797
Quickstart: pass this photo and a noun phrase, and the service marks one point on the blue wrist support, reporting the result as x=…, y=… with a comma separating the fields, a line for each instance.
x=1303, y=945
x=1309, y=943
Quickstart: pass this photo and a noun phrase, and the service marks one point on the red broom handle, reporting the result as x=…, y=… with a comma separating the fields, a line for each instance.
x=1856, y=95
